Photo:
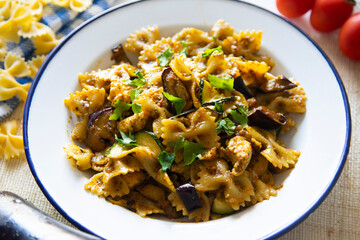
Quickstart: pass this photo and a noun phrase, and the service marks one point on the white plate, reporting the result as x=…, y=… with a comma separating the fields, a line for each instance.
x=322, y=135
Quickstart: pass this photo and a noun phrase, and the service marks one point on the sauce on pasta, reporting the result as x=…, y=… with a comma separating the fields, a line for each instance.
x=191, y=131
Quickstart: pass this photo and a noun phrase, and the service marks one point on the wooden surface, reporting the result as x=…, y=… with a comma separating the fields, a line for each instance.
x=339, y=215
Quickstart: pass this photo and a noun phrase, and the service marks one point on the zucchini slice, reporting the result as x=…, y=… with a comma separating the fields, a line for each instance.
x=150, y=140
x=220, y=206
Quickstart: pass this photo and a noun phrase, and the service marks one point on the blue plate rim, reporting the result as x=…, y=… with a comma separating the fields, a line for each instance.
x=273, y=235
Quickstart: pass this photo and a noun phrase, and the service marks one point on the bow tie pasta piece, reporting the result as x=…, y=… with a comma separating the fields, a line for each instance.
x=3, y=49
x=80, y=156
x=16, y=65
x=11, y=145
x=61, y=3
x=202, y=129
x=5, y=6
x=275, y=153
x=45, y=42
x=9, y=87
x=36, y=9
x=146, y=36
x=80, y=5
x=34, y=64
x=33, y=29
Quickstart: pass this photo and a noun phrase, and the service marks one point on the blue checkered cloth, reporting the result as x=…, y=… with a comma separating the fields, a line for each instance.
x=62, y=21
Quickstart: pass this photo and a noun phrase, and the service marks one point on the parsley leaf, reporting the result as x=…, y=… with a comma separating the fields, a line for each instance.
x=136, y=108
x=166, y=160
x=223, y=83
x=219, y=107
x=134, y=93
x=214, y=38
x=179, y=144
x=240, y=115
x=210, y=51
x=179, y=103
x=184, y=47
x=192, y=151
x=164, y=58
x=226, y=125
x=120, y=108
x=139, y=81
x=127, y=141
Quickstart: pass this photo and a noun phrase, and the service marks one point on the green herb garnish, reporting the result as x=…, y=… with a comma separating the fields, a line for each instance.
x=120, y=108
x=184, y=48
x=226, y=125
x=127, y=141
x=136, y=108
x=179, y=103
x=240, y=115
x=166, y=160
x=192, y=151
x=179, y=144
x=210, y=51
x=138, y=82
x=214, y=38
x=164, y=58
x=223, y=83
x=134, y=93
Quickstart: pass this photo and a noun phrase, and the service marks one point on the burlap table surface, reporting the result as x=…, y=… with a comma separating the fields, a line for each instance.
x=338, y=217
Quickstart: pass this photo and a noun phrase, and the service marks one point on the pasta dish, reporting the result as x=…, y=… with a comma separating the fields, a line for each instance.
x=189, y=132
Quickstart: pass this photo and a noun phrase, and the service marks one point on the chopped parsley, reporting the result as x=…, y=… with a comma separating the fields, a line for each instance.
x=164, y=58
x=179, y=103
x=240, y=115
x=226, y=125
x=210, y=51
x=138, y=82
x=223, y=83
x=192, y=151
x=136, y=108
x=166, y=160
x=179, y=144
x=127, y=141
x=184, y=49
x=134, y=93
x=120, y=108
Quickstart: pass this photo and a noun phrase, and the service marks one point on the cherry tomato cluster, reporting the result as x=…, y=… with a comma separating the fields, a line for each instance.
x=327, y=16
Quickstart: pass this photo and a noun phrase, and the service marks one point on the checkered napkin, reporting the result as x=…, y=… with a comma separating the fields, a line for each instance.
x=62, y=21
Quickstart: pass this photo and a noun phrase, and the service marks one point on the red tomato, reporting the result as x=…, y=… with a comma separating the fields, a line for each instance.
x=349, y=38
x=294, y=8
x=328, y=15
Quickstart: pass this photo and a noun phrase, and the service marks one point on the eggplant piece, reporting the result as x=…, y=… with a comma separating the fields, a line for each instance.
x=119, y=55
x=100, y=130
x=172, y=84
x=278, y=84
x=239, y=85
x=189, y=197
x=265, y=118
x=20, y=220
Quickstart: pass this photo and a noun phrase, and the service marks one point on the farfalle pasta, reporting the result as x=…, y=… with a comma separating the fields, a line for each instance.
x=11, y=144
x=191, y=132
x=9, y=87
